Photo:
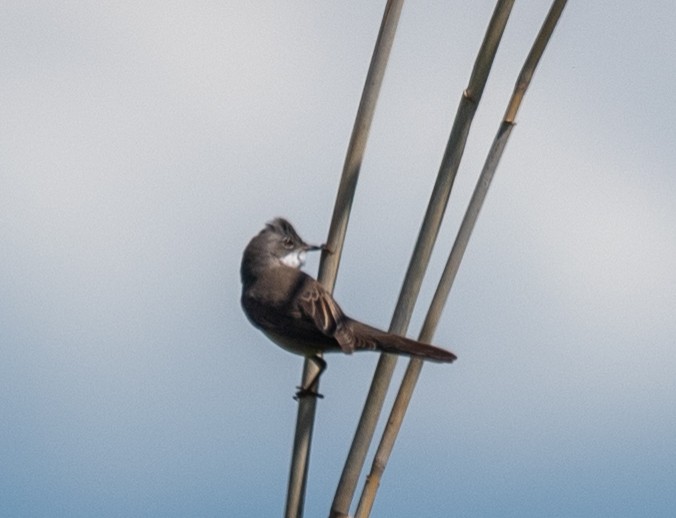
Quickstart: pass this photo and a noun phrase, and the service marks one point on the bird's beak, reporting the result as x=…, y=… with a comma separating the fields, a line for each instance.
x=313, y=248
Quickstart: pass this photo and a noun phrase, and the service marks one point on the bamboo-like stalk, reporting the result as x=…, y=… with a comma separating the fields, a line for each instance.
x=420, y=258
x=450, y=270
x=328, y=268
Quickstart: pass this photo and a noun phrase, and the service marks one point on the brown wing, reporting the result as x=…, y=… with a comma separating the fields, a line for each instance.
x=319, y=308
x=318, y=304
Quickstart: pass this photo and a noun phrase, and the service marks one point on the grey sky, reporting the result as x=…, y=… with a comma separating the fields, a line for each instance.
x=143, y=144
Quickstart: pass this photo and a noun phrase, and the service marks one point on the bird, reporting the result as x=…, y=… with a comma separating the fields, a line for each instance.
x=297, y=313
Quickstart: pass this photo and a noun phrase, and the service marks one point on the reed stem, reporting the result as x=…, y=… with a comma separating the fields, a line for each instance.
x=328, y=267
x=455, y=257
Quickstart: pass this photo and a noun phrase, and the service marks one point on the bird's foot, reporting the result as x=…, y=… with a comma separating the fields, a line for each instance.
x=306, y=392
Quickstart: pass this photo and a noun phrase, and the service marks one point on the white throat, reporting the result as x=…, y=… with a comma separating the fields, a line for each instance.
x=294, y=259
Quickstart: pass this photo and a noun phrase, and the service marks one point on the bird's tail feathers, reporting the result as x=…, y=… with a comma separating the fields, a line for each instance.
x=396, y=344
x=401, y=345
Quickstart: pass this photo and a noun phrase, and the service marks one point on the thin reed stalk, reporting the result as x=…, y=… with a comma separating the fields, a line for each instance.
x=420, y=258
x=328, y=268
x=450, y=270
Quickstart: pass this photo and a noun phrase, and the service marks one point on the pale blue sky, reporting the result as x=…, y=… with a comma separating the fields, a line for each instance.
x=142, y=144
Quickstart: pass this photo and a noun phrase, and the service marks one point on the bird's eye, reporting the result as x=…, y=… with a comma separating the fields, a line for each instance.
x=287, y=242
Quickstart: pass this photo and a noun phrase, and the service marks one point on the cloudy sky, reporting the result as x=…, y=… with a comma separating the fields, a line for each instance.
x=144, y=143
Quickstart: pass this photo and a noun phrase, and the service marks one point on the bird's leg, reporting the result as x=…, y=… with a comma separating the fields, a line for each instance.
x=311, y=388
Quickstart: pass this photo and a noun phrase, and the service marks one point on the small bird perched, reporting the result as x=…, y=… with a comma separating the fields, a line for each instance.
x=297, y=313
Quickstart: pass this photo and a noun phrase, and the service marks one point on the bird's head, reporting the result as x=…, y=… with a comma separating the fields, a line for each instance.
x=277, y=243
x=284, y=243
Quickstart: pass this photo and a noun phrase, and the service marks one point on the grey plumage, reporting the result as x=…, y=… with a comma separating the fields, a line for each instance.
x=297, y=313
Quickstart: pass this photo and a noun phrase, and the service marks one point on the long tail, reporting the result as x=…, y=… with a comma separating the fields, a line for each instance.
x=396, y=344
